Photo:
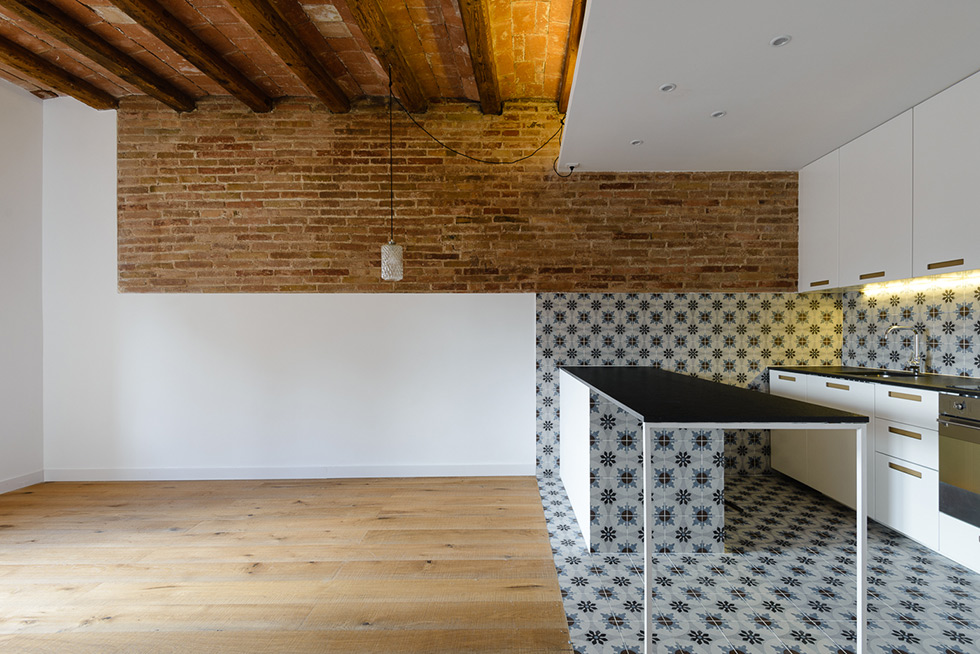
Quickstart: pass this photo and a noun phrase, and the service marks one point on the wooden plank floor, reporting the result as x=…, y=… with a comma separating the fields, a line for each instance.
x=360, y=565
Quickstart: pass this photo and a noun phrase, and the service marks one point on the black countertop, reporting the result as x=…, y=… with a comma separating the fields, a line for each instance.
x=928, y=382
x=670, y=398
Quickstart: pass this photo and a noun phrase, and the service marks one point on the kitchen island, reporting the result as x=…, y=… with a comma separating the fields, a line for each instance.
x=642, y=460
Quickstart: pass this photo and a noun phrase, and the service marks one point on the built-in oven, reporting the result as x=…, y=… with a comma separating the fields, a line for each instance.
x=959, y=477
x=959, y=457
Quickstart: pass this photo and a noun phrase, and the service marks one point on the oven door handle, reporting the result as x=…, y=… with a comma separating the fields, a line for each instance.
x=956, y=429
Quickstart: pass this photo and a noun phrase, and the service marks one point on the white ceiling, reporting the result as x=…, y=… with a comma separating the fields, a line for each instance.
x=851, y=65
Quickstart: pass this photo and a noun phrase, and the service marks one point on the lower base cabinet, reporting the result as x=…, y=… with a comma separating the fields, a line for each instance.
x=787, y=453
x=908, y=499
x=959, y=541
x=832, y=465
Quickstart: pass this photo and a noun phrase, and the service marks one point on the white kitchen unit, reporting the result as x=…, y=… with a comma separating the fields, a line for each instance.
x=903, y=455
x=906, y=462
x=787, y=450
x=899, y=201
x=818, y=210
x=907, y=499
x=946, y=227
x=875, y=232
x=823, y=459
x=574, y=446
x=830, y=455
x=960, y=541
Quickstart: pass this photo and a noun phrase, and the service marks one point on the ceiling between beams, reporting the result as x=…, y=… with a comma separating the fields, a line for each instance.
x=339, y=51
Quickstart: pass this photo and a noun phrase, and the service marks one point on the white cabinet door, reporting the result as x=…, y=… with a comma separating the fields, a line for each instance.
x=876, y=204
x=831, y=456
x=907, y=499
x=788, y=446
x=947, y=172
x=959, y=541
x=787, y=453
x=818, y=224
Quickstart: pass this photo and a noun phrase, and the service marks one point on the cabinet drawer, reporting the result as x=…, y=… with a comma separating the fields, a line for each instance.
x=910, y=406
x=959, y=541
x=908, y=442
x=787, y=384
x=843, y=394
x=907, y=499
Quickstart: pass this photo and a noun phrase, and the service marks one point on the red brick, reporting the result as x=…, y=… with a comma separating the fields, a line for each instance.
x=223, y=200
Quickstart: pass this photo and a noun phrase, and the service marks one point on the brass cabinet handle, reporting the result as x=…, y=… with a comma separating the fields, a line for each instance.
x=905, y=396
x=944, y=264
x=905, y=432
x=822, y=282
x=842, y=387
x=880, y=273
x=787, y=378
x=908, y=471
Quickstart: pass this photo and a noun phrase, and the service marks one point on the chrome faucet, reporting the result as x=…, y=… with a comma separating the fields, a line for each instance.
x=917, y=360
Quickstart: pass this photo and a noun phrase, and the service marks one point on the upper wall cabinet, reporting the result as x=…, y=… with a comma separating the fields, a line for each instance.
x=818, y=224
x=947, y=181
x=876, y=204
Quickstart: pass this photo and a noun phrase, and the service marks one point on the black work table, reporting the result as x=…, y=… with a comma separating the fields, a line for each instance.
x=669, y=398
x=675, y=413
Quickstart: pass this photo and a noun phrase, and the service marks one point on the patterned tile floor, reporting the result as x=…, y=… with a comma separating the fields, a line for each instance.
x=784, y=586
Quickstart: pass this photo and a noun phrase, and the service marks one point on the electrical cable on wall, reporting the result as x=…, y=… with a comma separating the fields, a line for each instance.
x=554, y=164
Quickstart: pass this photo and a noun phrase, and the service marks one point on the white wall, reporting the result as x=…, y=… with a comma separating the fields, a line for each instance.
x=21, y=431
x=150, y=386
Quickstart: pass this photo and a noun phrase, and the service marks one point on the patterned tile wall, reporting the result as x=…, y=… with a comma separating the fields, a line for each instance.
x=685, y=486
x=946, y=312
x=686, y=482
x=616, y=490
x=726, y=337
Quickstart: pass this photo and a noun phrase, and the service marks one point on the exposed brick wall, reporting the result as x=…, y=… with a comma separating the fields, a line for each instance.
x=223, y=200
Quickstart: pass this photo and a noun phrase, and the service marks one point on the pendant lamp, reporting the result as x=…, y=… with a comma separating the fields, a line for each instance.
x=391, y=253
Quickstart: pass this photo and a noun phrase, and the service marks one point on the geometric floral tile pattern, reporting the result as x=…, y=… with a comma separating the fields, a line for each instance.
x=725, y=337
x=686, y=471
x=947, y=314
x=686, y=485
x=785, y=584
x=615, y=476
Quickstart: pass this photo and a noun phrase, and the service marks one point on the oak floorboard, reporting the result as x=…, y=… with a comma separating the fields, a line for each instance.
x=456, y=641
x=450, y=565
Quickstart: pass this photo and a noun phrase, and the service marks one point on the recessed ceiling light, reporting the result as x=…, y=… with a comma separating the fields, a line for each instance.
x=718, y=114
x=781, y=40
x=636, y=142
x=667, y=88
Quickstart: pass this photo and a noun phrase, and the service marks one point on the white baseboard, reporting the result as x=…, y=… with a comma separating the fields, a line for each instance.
x=15, y=483
x=312, y=472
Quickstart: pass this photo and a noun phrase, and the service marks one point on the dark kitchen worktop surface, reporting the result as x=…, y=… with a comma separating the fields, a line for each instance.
x=670, y=398
x=928, y=382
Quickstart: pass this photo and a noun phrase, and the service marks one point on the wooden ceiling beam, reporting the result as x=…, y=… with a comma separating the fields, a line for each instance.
x=41, y=70
x=264, y=18
x=377, y=30
x=60, y=25
x=571, y=54
x=185, y=42
x=476, y=22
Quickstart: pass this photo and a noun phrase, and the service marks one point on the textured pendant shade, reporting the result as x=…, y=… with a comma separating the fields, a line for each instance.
x=391, y=254
x=391, y=262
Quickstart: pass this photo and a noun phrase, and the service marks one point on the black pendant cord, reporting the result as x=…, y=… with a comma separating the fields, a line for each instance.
x=391, y=174
x=561, y=127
